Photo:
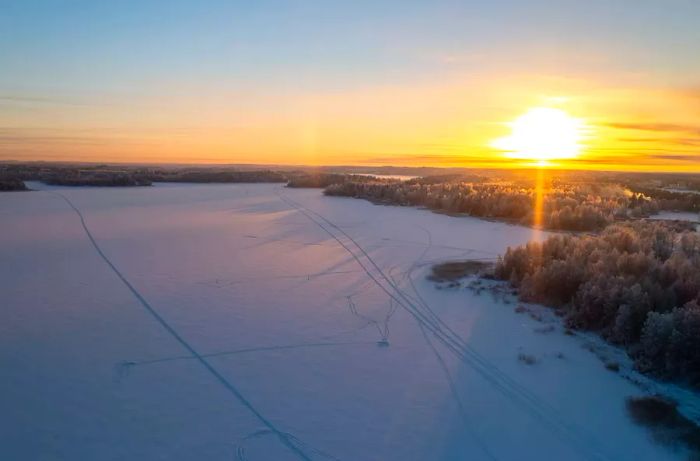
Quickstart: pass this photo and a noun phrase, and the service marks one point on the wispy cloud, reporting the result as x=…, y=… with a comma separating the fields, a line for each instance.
x=654, y=127
x=32, y=137
x=681, y=141
x=436, y=159
x=692, y=158
x=10, y=99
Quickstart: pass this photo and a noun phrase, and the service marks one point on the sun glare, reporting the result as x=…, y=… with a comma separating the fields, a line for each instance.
x=542, y=135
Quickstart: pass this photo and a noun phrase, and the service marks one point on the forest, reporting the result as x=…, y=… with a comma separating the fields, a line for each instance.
x=670, y=200
x=323, y=180
x=134, y=175
x=11, y=184
x=575, y=207
x=101, y=179
x=130, y=175
x=637, y=284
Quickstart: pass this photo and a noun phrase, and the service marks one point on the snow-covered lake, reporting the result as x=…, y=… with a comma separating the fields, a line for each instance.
x=244, y=322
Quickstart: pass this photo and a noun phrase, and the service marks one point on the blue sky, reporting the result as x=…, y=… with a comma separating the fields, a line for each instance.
x=100, y=45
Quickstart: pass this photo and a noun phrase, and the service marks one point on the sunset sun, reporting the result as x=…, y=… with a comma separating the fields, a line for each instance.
x=543, y=135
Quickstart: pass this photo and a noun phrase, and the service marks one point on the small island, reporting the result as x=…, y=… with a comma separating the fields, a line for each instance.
x=12, y=184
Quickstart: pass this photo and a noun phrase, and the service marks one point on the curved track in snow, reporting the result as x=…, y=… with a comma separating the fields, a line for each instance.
x=541, y=411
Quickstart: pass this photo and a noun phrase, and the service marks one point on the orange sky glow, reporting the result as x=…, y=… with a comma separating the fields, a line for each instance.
x=443, y=124
x=422, y=103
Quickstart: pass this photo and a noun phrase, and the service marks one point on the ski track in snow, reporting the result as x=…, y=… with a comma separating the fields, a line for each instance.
x=577, y=437
x=382, y=329
x=240, y=445
x=295, y=445
x=441, y=361
x=129, y=363
x=455, y=394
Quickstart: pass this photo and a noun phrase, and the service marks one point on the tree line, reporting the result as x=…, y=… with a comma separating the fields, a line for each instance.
x=577, y=207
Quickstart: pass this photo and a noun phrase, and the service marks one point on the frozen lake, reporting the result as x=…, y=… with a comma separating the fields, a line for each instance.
x=255, y=322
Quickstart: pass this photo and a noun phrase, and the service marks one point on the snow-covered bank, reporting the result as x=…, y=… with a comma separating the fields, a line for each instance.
x=281, y=296
x=677, y=216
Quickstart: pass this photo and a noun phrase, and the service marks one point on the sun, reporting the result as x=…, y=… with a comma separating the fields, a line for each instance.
x=543, y=134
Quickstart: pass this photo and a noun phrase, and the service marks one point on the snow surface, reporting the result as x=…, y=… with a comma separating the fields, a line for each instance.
x=245, y=322
x=676, y=216
x=682, y=191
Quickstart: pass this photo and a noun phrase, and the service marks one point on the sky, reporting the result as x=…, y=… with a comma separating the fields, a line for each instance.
x=359, y=82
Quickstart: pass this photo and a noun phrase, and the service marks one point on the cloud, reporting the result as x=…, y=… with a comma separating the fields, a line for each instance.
x=654, y=127
x=680, y=141
x=33, y=137
x=658, y=158
x=6, y=99
x=692, y=158
x=10, y=139
x=600, y=158
x=683, y=139
x=24, y=99
x=435, y=159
